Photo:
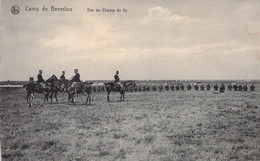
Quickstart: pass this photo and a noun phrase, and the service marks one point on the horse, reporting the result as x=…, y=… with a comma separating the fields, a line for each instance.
x=41, y=89
x=56, y=86
x=79, y=87
x=110, y=86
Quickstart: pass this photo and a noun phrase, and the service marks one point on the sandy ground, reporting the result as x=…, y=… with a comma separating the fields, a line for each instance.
x=179, y=125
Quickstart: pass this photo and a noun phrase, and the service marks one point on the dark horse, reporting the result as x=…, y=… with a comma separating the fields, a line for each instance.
x=79, y=87
x=45, y=89
x=110, y=86
x=55, y=86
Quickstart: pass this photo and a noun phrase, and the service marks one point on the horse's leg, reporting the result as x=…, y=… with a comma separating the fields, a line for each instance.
x=45, y=98
x=108, y=100
x=51, y=96
x=68, y=97
x=47, y=94
x=72, y=98
x=72, y=101
x=55, y=95
x=89, y=98
x=121, y=96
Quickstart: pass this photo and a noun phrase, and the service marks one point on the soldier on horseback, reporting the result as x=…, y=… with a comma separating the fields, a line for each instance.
x=40, y=81
x=117, y=81
x=76, y=77
x=75, y=82
x=62, y=77
x=39, y=77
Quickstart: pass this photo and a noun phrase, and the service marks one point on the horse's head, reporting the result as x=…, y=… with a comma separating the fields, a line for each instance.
x=52, y=78
x=130, y=83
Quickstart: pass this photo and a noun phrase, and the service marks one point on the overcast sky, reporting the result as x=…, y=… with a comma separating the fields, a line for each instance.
x=157, y=39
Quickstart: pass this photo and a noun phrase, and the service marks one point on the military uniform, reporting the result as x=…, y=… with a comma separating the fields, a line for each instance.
x=30, y=89
x=117, y=81
x=76, y=78
x=40, y=79
x=62, y=77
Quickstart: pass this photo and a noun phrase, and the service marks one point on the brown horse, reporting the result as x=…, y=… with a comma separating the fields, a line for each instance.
x=110, y=86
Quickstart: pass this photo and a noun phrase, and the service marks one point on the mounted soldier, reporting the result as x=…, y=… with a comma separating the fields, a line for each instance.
x=76, y=77
x=62, y=77
x=39, y=77
x=117, y=81
x=41, y=84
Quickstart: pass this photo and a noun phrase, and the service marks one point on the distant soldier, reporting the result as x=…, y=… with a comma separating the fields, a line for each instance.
x=202, y=87
x=30, y=90
x=216, y=87
x=229, y=87
x=117, y=80
x=196, y=87
x=245, y=87
x=235, y=87
x=252, y=87
x=189, y=87
x=172, y=87
x=182, y=87
x=177, y=88
x=160, y=88
x=240, y=87
x=222, y=88
x=140, y=88
x=208, y=86
x=167, y=87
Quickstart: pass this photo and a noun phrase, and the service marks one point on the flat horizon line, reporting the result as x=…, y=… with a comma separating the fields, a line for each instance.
x=152, y=80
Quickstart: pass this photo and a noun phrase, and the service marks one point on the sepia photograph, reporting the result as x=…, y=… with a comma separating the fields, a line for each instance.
x=134, y=80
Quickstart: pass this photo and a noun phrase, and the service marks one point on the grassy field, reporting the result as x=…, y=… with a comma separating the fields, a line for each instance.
x=179, y=125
